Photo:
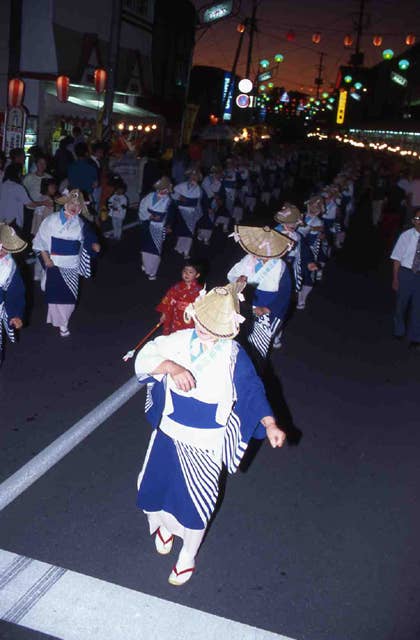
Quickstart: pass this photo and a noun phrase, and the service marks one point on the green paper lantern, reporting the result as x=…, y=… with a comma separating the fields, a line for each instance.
x=387, y=54
x=278, y=57
x=403, y=65
x=347, y=79
x=264, y=63
x=358, y=85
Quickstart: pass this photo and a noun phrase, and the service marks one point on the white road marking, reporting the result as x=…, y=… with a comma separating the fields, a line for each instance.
x=24, y=477
x=71, y=606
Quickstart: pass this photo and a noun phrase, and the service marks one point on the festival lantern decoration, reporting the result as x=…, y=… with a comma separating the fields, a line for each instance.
x=325, y=94
x=240, y=28
x=387, y=54
x=348, y=41
x=264, y=63
x=262, y=87
x=16, y=90
x=290, y=36
x=316, y=38
x=270, y=85
x=279, y=57
x=410, y=39
x=348, y=78
x=377, y=41
x=62, y=85
x=358, y=86
x=403, y=65
x=99, y=78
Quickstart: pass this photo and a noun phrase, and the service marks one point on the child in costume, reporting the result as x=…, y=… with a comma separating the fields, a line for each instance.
x=205, y=402
x=177, y=298
x=12, y=290
x=117, y=206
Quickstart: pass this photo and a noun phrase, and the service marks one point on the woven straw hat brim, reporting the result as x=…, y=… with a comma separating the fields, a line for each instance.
x=65, y=199
x=263, y=242
x=293, y=217
x=216, y=310
x=10, y=241
x=163, y=183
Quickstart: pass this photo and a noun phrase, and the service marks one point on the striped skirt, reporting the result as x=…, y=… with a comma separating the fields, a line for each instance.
x=181, y=480
x=262, y=333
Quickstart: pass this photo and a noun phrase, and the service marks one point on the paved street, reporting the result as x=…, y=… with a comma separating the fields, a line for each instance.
x=317, y=541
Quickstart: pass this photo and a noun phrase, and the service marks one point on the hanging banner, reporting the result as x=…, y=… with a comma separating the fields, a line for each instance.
x=14, y=129
x=190, y=114
x=341, y=107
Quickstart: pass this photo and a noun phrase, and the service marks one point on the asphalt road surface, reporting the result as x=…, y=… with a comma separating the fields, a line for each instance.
x=317, y=541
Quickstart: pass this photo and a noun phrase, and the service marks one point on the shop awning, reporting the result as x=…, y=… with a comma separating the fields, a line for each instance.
x=84, y=101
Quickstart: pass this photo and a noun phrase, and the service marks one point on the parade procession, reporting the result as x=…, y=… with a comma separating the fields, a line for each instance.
x=209, y=320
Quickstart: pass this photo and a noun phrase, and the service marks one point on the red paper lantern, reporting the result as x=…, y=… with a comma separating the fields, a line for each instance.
x=348, y=40
x=290, y=36
x=240, y=28
x=100, y=80
x=410, y=39
x=377, y=41
x=15, y=92
x=62, y=87
x=316, y=38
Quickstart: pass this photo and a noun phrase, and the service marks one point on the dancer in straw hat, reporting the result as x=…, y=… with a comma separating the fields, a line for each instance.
x=12, y=290
x=205, y=402
x=188, y=196
x=264, y=270
x=64, y=243
x=156, y=213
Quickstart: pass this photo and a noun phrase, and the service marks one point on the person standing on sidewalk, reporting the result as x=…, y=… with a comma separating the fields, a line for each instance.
x=406, y=283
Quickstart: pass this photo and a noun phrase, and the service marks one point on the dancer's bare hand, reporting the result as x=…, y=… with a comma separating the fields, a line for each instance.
x=183, y=378
x=275, y=435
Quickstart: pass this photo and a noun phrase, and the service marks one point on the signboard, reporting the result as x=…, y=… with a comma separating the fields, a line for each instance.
x=265, y=76
x=242, y=101
x=14, y=129
x=227, y=98
x=396, y=77
x=341, y=107
x=217, y=11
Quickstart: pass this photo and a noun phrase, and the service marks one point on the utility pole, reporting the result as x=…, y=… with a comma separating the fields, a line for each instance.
x=318, y=80
x=253, y=28
x=114, y=45
x=234, y=65
x=357, y=58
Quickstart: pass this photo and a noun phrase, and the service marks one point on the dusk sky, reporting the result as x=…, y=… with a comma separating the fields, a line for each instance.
x=333, y=19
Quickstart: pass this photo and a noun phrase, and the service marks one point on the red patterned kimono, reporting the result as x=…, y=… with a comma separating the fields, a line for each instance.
x=174, y=303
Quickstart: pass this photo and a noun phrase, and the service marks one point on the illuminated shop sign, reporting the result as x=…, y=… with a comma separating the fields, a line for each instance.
x=228, y=85
x=217, y=11
x=395, y=77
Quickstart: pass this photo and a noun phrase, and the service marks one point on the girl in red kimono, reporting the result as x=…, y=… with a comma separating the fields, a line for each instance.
x=177, y=298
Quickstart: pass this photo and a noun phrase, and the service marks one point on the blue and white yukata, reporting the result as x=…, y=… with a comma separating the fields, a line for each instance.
x=69, y=243
x=195, y=432
x=273, y=288
x=188, y=197
x=153, y=232
x=211, y=187
x=12, y=297
x=229, y=182
x=313, y=242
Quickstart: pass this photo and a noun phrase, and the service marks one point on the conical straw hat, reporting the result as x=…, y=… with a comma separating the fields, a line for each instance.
x=263, y=242
x=10, y=240
x=288, y=214
x=218, y=310
x=75, y=196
